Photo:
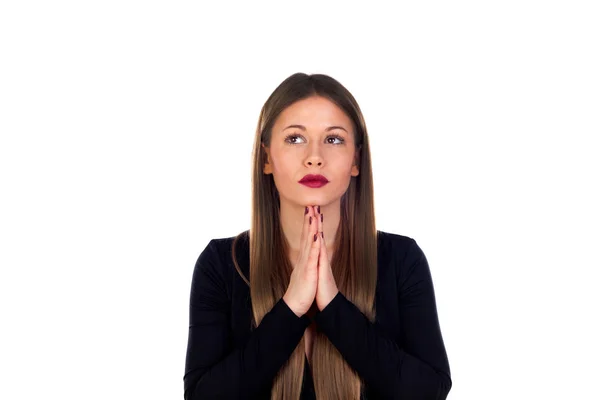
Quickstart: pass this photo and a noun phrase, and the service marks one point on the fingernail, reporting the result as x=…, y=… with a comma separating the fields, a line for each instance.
x=315, y=239
x=319, y=209
x=321, y=217
x=309, y=220
x=305, y=210
x=322, y=234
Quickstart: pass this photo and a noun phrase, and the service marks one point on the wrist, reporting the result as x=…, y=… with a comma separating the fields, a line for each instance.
x=326, y=301
x=294, y=307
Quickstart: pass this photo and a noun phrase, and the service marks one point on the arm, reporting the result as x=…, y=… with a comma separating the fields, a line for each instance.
x=418, y=370
x=214, y=369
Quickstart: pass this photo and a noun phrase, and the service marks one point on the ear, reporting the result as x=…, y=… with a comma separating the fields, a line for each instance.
x=355, y=171
x=267, y=168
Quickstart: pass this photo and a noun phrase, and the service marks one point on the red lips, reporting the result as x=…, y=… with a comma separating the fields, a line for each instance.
x=313, y=178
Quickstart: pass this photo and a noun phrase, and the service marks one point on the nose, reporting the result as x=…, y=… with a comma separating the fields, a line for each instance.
x=314, y=156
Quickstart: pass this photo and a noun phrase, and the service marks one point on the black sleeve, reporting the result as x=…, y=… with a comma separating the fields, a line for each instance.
x=214, y=369
x=418, y=370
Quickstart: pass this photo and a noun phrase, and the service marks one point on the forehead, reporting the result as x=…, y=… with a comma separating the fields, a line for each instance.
x=316, y=112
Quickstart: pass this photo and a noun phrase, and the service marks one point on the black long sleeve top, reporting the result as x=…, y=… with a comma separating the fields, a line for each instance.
x=399, y=356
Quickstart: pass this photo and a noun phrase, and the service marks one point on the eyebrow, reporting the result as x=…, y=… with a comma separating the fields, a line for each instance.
x=303, y=128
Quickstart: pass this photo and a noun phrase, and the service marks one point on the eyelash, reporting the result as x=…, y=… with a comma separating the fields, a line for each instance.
x=333, y=136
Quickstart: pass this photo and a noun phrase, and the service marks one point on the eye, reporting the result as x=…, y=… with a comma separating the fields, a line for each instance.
x=289, y=138
x=336, y=137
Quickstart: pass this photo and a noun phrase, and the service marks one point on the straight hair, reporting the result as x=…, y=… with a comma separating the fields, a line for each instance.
x=354, y=262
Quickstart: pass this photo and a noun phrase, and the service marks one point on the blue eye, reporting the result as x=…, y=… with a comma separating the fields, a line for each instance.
x=293, y=135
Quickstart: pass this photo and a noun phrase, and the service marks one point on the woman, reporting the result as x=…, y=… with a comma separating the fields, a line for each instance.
x=313, y=301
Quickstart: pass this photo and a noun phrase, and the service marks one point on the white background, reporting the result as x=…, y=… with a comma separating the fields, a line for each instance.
x=126, y=134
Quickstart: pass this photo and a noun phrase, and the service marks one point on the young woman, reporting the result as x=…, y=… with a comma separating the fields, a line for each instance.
x=313, y=301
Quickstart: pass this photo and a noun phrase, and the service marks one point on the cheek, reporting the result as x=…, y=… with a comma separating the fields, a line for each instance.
x=283, y=172
x=342, y=168
x=283, y=164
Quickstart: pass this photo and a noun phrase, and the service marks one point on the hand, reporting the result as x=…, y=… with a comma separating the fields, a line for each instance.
x=326, y=286
x=302, y=289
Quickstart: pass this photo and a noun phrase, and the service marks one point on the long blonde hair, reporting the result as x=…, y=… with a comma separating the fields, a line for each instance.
x=354, y=263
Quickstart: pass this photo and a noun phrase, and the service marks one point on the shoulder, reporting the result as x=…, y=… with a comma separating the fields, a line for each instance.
x=402, y=251
x=217, y=258
x=214, y=267
x=395, y=245
x=219, y=249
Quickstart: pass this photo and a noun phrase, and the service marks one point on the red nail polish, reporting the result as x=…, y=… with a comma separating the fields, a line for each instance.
x=305, y=210
x=319, y=209
x=315, y=239
x=321, y=217
x=309, y=220
x=322, y=235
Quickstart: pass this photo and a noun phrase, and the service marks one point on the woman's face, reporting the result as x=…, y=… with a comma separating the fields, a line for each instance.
x=311, y=136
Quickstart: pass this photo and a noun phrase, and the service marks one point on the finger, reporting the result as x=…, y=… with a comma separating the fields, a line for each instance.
x=304, y=244
x=320, y=223
x=305, y=224
x=315, y=232
x=319, y=240
x=309, y=224
x=323, y=258
x=317, y=217
x=315, y=248
x=319, y=233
